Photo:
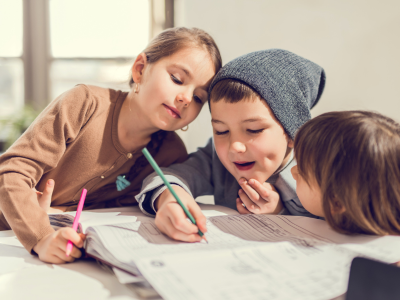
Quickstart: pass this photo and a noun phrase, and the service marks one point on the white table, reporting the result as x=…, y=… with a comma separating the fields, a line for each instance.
x=24, y=276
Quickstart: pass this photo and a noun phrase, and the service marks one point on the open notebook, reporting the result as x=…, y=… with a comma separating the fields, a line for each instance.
x=89, y=219
x=278, y=257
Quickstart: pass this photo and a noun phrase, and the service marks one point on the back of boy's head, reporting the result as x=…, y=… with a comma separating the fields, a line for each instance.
x=354, y=157
x=291, y=85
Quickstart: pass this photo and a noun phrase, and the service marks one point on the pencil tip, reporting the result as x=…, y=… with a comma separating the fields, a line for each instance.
x=204, y=237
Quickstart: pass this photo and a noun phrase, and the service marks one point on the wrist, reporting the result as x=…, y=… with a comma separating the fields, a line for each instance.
x=278, y=208
x=167, y=196
x=39, y=244
x=161, y=199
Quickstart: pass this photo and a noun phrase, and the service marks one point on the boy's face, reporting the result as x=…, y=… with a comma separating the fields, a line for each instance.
x=249, y=140
x=309, y=194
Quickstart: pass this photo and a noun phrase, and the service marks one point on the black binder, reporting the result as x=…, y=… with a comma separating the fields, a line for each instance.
x=372, y=280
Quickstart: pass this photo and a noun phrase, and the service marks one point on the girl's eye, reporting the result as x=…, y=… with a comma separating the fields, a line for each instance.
x=197, y=99
x=176, y=80
x=221, y=132
x=256, y=131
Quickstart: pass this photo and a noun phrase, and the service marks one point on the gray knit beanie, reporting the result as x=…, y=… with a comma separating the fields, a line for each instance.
x=291, y=85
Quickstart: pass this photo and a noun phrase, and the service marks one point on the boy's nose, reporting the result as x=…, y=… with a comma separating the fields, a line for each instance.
x=238, y=147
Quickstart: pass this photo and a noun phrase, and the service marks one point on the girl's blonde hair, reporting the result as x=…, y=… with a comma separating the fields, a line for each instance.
x=354, y=156
x=175, y=39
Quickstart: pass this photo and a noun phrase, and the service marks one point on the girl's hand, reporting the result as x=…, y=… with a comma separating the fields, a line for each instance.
x=44, y=198
x=258, y=198
x=172, y=220
x=51, y=248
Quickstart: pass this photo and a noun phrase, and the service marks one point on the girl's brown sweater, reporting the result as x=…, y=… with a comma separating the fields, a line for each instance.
x=75, y=142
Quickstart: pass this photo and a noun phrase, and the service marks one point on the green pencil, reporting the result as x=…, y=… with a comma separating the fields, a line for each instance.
x=161, y=174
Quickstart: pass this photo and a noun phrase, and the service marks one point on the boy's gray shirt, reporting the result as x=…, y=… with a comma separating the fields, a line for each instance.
x=204, y=174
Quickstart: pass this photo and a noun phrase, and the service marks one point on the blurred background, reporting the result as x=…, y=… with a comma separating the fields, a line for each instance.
x=48, y=46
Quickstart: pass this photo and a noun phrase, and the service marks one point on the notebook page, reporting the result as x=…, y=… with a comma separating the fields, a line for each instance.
x=105, y=220
x=59, y=220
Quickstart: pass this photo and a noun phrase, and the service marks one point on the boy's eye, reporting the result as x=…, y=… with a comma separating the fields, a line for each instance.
x=176, y=80
x=256, y=131
x=197, y=99
x=221, y=132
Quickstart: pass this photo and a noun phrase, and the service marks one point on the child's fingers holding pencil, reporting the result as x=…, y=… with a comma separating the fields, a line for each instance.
x=197, y=214
x=170, y=230
x=180, y=221
x=51, y=248
x=60, y=253
x=172, y=221
x=73, y=236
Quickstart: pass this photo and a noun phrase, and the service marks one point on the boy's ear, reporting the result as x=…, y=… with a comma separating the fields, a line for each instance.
x=138, y=67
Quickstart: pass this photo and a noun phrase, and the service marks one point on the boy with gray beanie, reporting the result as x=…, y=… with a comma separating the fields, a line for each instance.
x=257, y=101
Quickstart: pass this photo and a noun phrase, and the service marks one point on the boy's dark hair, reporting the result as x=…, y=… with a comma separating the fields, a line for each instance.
x=290, y=84
x=354, y=157
x=232, y=91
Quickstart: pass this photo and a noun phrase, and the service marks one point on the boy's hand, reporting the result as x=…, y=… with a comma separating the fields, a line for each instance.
x=258, y=198
x=172, y=220
x=51, y=248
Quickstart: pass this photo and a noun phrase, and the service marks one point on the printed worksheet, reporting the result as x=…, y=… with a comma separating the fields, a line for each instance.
x=278, y=271
x=246, y=257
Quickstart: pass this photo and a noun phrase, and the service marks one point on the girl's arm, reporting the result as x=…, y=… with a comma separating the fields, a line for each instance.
x=35, y=153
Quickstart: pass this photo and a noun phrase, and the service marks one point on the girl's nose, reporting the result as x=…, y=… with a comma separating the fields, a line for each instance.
x=294, y=172
x=184, y=98
x=238, y=147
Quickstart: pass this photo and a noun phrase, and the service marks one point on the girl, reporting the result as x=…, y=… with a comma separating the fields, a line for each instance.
x=348, y=171
x=91, y=137
x=257, y=103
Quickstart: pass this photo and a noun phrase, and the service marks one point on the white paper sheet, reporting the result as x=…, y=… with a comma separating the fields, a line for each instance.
x=106, y=220
x=212, y=213
x=125, y=277
x=248, y=257
x=134, y=226
x=278, y=271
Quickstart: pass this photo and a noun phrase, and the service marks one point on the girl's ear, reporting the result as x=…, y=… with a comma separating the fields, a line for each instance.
x=138, y=67
x=337, y=207
x=290, y=143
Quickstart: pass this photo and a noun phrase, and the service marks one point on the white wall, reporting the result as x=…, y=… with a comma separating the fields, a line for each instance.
x=356, y=41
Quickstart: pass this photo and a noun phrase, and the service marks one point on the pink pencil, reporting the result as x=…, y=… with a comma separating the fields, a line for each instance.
x=76, y=220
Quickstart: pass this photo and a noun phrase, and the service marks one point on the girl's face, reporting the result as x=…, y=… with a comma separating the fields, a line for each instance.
x=172, y=91
x=249, y=140
x=309, y=194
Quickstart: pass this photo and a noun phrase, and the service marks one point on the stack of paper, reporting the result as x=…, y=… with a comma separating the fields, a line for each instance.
x=247, y=257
